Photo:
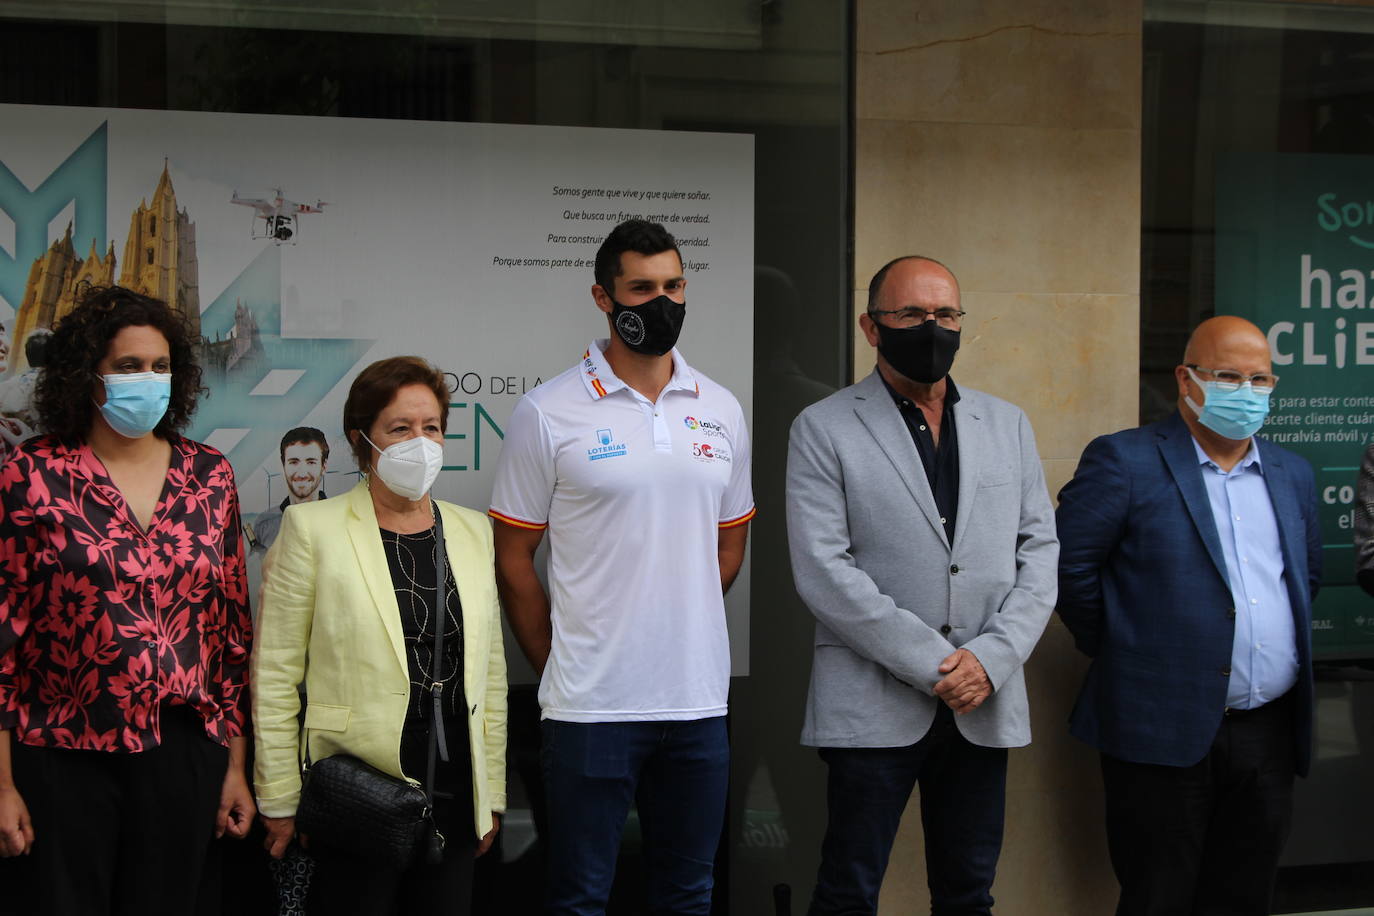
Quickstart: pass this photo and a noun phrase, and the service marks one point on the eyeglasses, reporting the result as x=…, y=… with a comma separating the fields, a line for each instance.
x=1231, y=380
x=912, y=315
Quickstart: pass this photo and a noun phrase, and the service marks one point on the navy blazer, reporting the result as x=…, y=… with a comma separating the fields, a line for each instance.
x=1143, y=589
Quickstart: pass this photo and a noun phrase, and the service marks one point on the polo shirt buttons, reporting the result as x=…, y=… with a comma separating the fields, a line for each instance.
x=954, y=570
x=945, y=629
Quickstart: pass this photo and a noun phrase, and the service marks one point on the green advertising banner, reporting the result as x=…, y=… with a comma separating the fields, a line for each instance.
x=1295, y=254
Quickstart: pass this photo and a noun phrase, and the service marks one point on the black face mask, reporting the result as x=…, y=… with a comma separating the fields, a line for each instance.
x=651, y=327
x=923, y=353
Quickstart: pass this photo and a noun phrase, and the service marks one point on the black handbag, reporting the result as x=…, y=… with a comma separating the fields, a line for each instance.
x=353, y=807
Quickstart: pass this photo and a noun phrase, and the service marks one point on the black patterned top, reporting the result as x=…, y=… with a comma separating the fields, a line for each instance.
x=411, y=560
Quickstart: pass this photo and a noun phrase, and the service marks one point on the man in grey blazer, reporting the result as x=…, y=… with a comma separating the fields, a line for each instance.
x=922, y=539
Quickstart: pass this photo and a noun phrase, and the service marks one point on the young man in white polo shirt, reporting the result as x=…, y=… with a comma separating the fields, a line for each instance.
x=638, y=468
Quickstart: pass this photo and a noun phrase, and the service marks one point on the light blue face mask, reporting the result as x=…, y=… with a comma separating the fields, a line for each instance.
x=1236, y=414
x=135, y=402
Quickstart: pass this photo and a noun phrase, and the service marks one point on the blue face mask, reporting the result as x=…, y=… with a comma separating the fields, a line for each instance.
x=135, y=402
x=1237, y=414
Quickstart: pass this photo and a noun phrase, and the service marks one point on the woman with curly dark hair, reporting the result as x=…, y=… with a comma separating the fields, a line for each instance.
x=124, y=624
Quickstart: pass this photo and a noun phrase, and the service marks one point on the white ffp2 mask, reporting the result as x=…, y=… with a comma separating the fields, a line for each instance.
x=409, y=468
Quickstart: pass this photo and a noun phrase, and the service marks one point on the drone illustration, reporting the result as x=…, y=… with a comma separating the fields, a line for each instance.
x=280, y=217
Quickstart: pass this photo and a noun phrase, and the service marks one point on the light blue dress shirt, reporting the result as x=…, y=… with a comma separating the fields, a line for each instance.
x=1264, y=655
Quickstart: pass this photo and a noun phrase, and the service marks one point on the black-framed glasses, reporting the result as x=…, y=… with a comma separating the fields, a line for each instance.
x=1231, y=380
x=913, y=315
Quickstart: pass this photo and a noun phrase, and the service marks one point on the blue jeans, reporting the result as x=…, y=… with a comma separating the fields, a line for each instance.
x=677, y=773
x=963, y=799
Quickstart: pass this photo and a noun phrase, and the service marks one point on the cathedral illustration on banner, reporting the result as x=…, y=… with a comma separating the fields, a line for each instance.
x=159, y=260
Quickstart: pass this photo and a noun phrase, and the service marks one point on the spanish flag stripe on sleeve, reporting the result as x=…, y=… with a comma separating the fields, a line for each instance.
x=521, y=523
x=736, y=522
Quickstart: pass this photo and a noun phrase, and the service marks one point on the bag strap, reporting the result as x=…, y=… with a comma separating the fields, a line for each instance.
x=438, y=745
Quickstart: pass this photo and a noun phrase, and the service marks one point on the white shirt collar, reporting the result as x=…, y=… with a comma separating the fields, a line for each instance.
x=600, y=379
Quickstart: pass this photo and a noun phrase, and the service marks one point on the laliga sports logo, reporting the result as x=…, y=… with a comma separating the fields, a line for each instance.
x=705, y=426
x=631, y=327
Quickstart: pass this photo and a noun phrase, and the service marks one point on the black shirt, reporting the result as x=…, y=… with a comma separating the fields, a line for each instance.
x=413, y=574
x=941, y=462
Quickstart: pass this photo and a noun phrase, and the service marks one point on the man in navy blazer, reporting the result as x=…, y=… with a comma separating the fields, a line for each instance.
x=1189, y=558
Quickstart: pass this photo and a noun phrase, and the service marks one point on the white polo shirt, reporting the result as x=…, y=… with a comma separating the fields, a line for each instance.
x=633, y=494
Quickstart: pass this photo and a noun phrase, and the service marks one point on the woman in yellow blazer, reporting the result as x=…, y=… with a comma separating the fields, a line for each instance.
x=348, y=611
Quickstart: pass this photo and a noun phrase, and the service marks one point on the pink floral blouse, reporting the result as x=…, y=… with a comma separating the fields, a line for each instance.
x=102, y=622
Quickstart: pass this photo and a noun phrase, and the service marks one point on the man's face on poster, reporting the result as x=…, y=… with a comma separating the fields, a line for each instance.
x=303, y=463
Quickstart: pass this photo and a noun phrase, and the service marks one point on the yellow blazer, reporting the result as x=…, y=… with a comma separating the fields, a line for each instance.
x=329, y=619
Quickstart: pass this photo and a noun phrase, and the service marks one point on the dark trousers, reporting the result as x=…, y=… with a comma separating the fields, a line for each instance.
x=1205, y=840
x=120, y=833
x=343, y=885
x=676, y=773
x=963, y=799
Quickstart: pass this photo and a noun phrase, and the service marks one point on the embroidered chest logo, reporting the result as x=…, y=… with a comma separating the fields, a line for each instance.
x=607, y=447
x=706, y=451
x=705, y=426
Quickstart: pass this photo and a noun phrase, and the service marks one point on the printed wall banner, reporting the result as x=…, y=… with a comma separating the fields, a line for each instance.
x=303, y=249
x=1295, y=254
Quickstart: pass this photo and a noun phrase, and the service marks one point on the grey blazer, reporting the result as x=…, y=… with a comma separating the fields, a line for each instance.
x=871, y=561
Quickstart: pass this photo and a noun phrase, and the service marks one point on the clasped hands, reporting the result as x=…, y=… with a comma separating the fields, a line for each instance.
x=965, y=684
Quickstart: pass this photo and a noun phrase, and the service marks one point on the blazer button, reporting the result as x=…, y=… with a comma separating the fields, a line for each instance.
x=945, y=629
x=1226, y=671
x=954, y=570
x=1231, y=614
